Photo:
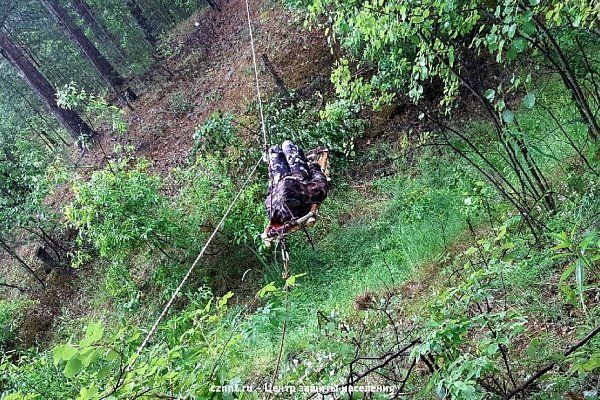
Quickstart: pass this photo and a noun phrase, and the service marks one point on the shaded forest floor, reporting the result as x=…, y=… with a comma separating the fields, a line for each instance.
x=208, y=69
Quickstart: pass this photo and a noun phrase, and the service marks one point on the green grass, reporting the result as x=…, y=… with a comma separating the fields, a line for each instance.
x=374, y=235
x=372, y=240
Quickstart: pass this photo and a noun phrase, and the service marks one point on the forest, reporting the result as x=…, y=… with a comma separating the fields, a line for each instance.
x=457, y=253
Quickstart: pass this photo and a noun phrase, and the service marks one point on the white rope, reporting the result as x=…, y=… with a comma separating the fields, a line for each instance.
x=262, y=116
x=189, y=272
x=213, y=234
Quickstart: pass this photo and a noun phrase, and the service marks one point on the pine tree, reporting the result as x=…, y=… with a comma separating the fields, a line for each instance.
x=69, y=119
x=91, y=52
x=98, y=29
x=138, y=15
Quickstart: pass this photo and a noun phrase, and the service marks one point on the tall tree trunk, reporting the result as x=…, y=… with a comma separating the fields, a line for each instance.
x=97, y=28
x=39, y=112
x=40, y=85
x=138, y=15
x=100, y=63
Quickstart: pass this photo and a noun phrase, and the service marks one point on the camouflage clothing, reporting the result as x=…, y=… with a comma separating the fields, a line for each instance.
x=294, y=186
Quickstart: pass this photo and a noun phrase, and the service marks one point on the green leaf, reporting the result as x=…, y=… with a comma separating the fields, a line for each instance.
x=519, y=44
x=104, y=372
x=267, y=289
x=91, y=358
x=490, y=94
x=501, y=232
x=567, y=273
x=223, y=300
x=63, y=353
x=88, y=393
x=291, y=281
x=491, y=349
x=93, y=333
x=508, y=116
x=528, y=29
x=592, y=364
x=529, y=100
x=135, y=336
x=72, y=368
x=112, y=355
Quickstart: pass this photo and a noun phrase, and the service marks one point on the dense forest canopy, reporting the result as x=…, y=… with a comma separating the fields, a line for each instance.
x=456, y=256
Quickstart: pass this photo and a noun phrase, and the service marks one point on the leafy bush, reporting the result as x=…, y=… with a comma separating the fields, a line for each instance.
x=461, y=313
x=10, y=316
x=582, y=255
x=308, y=123
x=120, y=210
x=209, y=186
x=196, y=349
x=216, y=134
x=95, y=106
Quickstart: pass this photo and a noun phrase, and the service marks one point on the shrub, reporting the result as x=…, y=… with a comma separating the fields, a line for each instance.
x=197, y=348
x=10, y=317
x=335, y=126
x=216, y=133
x=120, y=210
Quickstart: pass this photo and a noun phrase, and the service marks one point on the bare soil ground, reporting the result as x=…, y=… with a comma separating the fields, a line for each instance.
x=211, y=63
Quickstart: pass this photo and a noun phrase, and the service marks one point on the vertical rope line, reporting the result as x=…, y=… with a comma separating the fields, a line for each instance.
x=260, y=106
x=189, y=272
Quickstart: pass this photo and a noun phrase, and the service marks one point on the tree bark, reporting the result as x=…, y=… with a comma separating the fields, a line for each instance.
x=91, y=52
x=49, y=262
x=141, y=20
x=97, y=28
x=40, y=85
x=283, y=90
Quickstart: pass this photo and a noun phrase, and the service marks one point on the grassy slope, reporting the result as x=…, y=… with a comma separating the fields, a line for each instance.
x=382, y=232
x=372, y=237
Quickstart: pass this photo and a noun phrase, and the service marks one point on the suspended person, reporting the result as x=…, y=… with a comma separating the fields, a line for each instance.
x=295, y=184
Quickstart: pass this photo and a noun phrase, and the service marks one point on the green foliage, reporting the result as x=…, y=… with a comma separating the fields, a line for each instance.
x=120, y=209
x=308, y=123
x=23, y=179
x=373, y=233
x=209, y=186
x=95, y=106
x=196, y=349
x=400, y=41
x=431, y=52
x=582, y=255
x=216, y=134
x=10, y=318
x=462, y=312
